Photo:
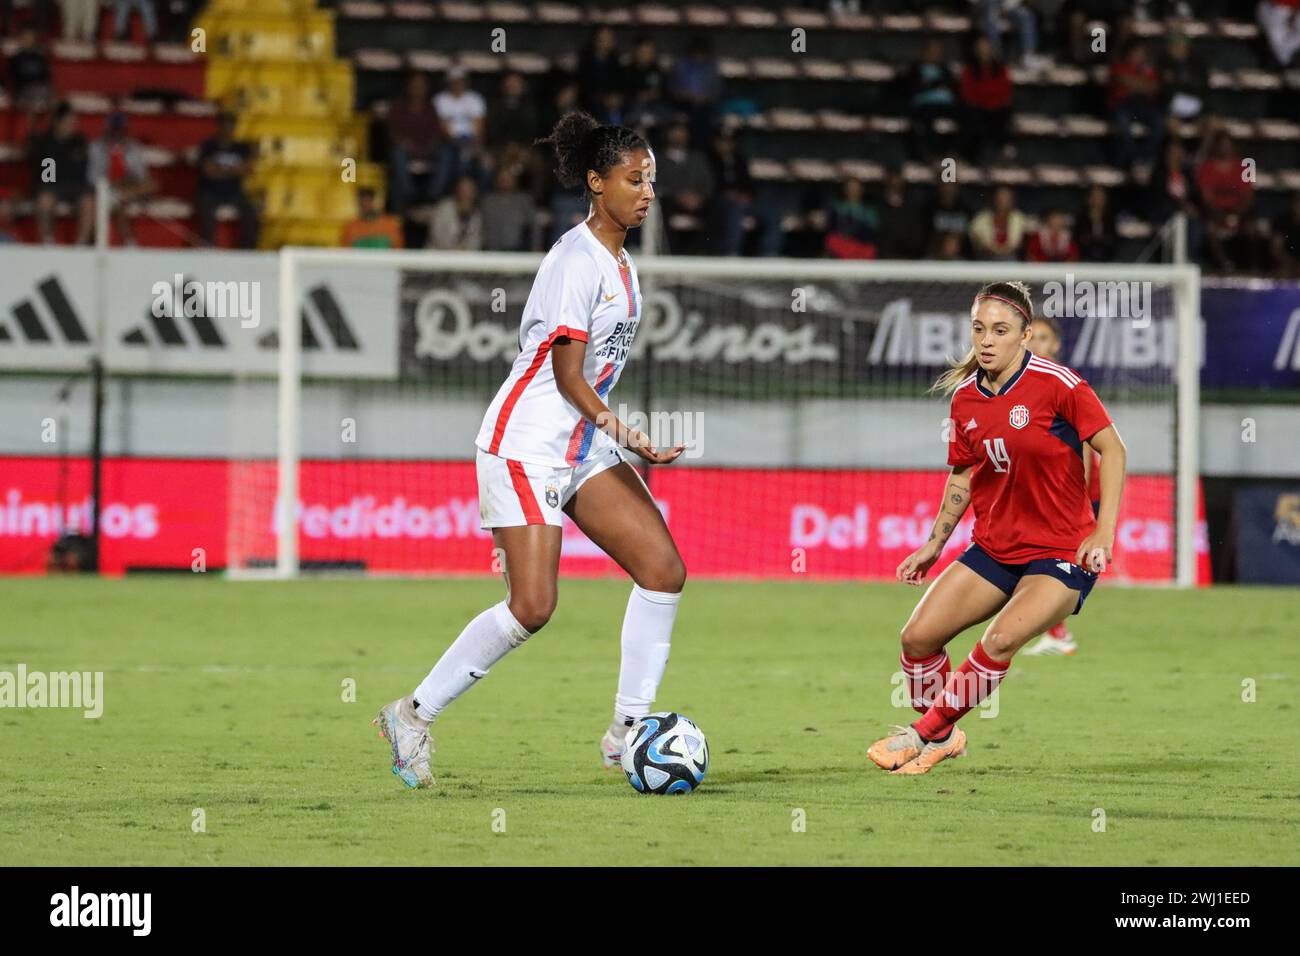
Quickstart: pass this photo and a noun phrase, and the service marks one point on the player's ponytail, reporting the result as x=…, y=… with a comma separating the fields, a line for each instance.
x=1015, y=295
x=581, y=143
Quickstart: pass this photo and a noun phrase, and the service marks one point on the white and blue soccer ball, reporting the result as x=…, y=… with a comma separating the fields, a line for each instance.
x=666, y=753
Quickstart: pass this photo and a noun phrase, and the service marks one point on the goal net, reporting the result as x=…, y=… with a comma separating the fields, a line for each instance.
x=800, y=387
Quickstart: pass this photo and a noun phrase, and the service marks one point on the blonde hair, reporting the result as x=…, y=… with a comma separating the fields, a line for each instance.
x=1014, y=294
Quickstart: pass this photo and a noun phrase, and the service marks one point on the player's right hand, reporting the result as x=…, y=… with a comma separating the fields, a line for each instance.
x=639, y=443
x=915, y=565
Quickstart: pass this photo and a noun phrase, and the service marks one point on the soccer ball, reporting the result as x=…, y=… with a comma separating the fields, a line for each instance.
x=666, y=753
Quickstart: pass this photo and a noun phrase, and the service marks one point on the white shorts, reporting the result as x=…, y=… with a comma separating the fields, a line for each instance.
x=512, y=493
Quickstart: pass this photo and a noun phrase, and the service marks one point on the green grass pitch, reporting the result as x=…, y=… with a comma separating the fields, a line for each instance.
x=228, y=697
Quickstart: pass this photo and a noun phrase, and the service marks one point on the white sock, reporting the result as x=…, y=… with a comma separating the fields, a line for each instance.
x=647, y=637
x=485, y=640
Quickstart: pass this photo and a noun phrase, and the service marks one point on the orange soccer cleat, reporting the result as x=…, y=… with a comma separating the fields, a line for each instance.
x=933, y=752
x=890, y=753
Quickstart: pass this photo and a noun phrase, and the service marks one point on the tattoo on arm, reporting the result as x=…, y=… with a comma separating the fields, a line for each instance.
x=958, y=495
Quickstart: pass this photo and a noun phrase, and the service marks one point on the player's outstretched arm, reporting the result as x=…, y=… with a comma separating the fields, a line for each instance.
x=1096, y=550
x=567, y=356
x=956, y=499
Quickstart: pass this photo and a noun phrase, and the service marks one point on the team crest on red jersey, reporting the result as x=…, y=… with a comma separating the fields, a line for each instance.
x=1019, y=416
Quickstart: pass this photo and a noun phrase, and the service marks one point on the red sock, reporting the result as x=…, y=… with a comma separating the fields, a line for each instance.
x=1058, y=631
x=978, y=676
x=925, y=678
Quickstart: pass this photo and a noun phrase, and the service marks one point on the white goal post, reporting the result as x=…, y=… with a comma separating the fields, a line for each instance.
x=1175, y=385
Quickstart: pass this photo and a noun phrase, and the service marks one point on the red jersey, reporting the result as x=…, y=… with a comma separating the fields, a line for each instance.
x=1026, y=446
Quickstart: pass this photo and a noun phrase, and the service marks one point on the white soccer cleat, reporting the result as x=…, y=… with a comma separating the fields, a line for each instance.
x=1049, y=646
x=409, y=736
x=612, y=747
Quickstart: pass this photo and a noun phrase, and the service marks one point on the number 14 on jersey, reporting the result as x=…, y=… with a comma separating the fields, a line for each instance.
x=997, y=452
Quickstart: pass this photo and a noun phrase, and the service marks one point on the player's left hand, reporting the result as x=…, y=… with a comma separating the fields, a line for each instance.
x=1094, y=554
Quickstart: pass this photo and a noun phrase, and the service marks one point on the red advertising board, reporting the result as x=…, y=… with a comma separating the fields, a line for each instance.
x=422, y=517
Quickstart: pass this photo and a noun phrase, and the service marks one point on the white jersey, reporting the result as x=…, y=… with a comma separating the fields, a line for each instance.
x=581, y=293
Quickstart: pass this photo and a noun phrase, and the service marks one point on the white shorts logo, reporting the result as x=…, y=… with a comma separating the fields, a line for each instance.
x=552, y=494
x=1019, y=416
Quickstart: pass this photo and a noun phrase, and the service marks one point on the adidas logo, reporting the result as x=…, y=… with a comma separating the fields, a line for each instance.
x=194, y=303
x=163, y=327
x=326, y=313
x=1065, y=566
x=33, y=329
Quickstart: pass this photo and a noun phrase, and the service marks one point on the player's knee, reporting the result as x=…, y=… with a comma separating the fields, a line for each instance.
x=532, y=611
x=999, y=644
x=917, y=641
x=667, y=575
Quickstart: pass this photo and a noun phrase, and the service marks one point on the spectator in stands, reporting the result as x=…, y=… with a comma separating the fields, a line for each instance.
x=457, y=221
x=853, y=226
x=647, y=86
x=223, y=164
x=902, y=231
x=7, y=233
x=1135, y=95
x=1286, y=241
x=416, y=133
x=119, y=159
x=174, y=19
x=1279, y=21
x=609, y=109
x=59, y=173
x=1115, y=15
x=1051, y=241
x=1226, y=195
x=684, y=180
x=599, y=68
x=1250, y=250
x=463, y=114
x=1221, y=177
x=999, y=231
x=80, y=20
x=986, y=102
x=696, y=87
x=567, y=210
x=39, y=17
x=949, y=247
x=565, y=99
x=1052, y=23
x=511, y=115
x=29, y=74
x=737, y=197
x=372, y=228
x=508, y=215
x=122, y=18
x=1094, y=226
x=1184, y=79
x=930, y=95
x=948, y=214
x=1019, y=14
x=1173, y=190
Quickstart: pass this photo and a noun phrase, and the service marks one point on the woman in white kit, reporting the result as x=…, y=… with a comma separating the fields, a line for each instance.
x=550, y=445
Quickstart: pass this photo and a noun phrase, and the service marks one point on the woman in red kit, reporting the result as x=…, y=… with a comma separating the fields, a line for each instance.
x=1058, y=641
x=1018, y=428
